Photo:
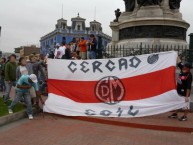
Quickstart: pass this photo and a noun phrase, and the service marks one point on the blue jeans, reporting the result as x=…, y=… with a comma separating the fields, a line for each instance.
x=92, y=54
x=8, y=87
x=17, y=98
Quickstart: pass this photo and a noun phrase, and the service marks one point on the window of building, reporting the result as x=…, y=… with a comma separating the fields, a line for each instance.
x=64, y=26
x=63, y=39
x=52, y=41
x=78, y=27
x=92, y=28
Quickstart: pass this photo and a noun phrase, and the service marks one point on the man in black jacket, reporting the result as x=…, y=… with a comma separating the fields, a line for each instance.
x=92, y=47
x=184, y=85
x=68, y=53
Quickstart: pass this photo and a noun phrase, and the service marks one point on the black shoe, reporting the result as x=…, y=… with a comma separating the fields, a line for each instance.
x=183, y=118
x=174, y=115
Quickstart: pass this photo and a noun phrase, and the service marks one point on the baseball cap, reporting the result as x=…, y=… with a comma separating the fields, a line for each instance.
x=58, y=44
x=33, y=77
x=187, y=64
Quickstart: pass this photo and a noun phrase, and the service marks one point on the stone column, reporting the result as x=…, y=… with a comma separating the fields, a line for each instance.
x=115, y=31
x=115, y=35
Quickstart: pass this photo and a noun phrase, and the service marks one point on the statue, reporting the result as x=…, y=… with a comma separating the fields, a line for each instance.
x=174, y=4
x=117, y=14
x=148, y=2
x=129, y=5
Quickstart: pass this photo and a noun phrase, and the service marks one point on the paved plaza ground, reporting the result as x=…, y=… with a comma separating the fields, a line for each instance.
x=58, y=130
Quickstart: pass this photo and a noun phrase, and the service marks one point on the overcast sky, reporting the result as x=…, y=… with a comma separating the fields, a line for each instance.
x=25, y=21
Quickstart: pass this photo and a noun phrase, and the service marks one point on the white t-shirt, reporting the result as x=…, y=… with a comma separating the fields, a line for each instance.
x=59, y=53
x=63, y=48
x=23, y=70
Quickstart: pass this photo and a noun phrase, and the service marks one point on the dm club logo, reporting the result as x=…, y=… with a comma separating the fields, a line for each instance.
x=110, y=90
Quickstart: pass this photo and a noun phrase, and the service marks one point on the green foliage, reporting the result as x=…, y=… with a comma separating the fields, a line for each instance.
x=4, y=107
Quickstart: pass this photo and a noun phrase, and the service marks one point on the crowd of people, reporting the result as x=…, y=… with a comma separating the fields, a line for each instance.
x=26, y=78
x=79, y=48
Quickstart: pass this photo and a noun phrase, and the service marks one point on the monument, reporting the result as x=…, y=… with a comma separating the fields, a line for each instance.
x=149, y=23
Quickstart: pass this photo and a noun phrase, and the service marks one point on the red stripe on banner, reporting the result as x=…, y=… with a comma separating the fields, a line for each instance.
x=136, y=88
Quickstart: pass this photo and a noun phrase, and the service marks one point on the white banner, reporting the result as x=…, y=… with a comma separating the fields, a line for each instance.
x=121, y=87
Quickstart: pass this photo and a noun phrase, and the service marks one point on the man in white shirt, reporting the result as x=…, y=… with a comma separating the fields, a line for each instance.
x=59, y=52
x=63, y=47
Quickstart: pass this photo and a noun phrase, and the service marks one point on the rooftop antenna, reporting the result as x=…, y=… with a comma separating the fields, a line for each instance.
x=95, y=13
x=62, y=10
x=78, y=14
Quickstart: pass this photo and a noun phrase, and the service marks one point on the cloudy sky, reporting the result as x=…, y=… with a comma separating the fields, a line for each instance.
x=25, y=21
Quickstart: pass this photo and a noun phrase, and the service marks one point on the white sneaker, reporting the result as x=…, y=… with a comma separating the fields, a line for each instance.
x=10, y=111
x=30, y=117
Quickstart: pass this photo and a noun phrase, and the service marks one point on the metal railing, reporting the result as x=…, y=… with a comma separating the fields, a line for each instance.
x=113, y=52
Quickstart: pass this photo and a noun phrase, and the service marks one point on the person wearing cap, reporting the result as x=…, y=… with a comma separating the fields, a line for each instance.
x=184, y=85
x=59, y=52
x=23, y=90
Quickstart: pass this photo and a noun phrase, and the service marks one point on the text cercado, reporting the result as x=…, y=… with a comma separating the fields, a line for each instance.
x=123, y=63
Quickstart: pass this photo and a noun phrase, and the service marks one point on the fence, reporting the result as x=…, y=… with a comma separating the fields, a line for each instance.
x=113, y=52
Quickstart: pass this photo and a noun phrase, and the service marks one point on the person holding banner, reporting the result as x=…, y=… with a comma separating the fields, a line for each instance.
x=23, y=87
x=184, y=85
